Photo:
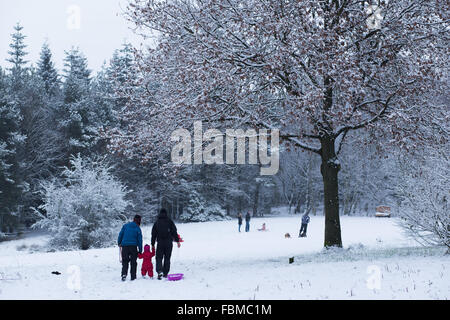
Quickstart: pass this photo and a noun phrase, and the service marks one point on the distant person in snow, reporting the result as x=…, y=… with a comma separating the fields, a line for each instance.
x=147, y=265
x=305, y=221
x=130, y=242
x=263, y=228
x=164, y=232
x=247, y=222
x=239, y=221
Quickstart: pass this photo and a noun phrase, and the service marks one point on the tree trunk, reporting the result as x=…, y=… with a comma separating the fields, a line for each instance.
x=298, y=207
x=256, y=199
x=330, y=168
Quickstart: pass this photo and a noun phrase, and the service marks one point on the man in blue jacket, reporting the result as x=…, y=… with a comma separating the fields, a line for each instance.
x=130, y=241
x=305, y=221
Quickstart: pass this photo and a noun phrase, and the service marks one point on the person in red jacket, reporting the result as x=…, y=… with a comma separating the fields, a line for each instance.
x=147, y=265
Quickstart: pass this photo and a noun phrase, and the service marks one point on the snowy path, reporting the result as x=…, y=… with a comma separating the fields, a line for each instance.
x=220, y=263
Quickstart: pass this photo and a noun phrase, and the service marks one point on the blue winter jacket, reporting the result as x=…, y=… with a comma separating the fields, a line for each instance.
x=305, y=219
x=130, y=235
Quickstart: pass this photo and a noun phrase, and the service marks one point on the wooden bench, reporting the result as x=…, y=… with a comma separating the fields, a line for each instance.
x=383, y=212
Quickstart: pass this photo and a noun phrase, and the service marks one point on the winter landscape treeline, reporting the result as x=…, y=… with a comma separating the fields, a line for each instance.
x=81, y=150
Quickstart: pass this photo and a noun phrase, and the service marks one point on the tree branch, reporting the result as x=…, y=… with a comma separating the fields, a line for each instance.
x=369, y=121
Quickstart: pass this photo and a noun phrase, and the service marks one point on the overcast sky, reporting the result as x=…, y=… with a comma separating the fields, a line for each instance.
x=97, y=27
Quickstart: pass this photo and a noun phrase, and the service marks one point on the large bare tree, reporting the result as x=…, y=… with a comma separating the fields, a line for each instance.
x=316, y=70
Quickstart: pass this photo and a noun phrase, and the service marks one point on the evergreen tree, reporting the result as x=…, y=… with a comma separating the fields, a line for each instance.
x=77, y=76
x=103, y=97
x=121, y=76
x=76, y=113
x=121, y=64
x=15, y=115
x=47, y=72
x=51, y=139
x=17, y=54
x=33, y=154
x=9, y=166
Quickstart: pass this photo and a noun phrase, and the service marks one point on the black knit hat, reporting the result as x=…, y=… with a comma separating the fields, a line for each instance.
x=163, y=212
x=137, y=219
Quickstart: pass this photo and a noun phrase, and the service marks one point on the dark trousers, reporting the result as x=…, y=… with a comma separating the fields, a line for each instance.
x=240, y=227
x=129, y=256
x=163, y=253
x=247, y=226
x=303, y=230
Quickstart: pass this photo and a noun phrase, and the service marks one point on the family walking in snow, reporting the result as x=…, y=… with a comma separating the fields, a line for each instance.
x=164, y=232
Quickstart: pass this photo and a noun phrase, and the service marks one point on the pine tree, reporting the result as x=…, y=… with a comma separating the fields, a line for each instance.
x=47, y=72
x=15, y=106
x=17, y=54
x=121, y=76
x=76, y=113
x=103, y=96
x=77, y=76
x=110, y=82
x=121, y=64
x=9, y=141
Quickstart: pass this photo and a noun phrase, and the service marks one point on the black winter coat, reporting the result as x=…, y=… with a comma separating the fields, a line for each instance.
x=164, y=230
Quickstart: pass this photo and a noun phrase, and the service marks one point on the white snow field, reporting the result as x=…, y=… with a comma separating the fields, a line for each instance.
x=377, y=262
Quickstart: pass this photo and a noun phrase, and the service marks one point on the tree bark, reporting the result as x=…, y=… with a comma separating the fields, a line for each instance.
x=256, y=199
x=330, y=169
x=298, y=207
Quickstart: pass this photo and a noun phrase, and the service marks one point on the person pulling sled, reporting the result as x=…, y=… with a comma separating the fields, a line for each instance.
x=165, y=233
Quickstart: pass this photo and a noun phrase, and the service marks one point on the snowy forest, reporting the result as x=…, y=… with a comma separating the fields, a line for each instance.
x=363, y=113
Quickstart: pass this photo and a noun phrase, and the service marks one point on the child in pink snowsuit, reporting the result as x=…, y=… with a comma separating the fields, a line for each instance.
x=147, y=266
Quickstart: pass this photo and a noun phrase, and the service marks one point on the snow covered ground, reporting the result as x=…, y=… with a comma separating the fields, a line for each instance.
x=377, y=262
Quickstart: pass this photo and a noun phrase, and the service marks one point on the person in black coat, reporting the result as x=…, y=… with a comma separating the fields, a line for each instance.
x=164, y=232
x=247, y=222
x=239, y=221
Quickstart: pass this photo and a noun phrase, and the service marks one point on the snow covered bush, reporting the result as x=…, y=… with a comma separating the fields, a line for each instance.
x=425, y=194
x=198, y=210
x=83, y=207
